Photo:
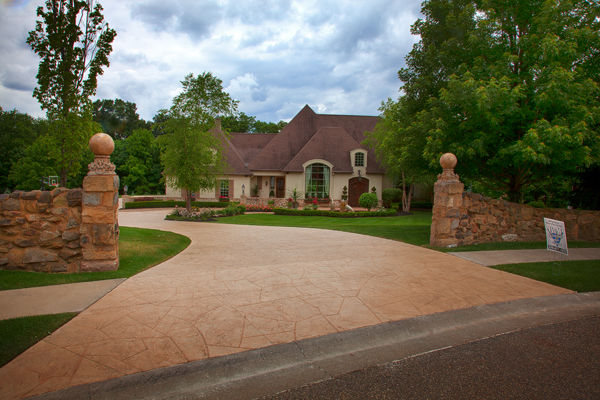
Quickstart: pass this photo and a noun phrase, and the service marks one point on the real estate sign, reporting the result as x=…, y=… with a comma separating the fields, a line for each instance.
x=556, y=236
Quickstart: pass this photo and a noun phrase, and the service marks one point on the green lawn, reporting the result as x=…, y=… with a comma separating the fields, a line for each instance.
x=139, y=249
x=580, y=276
x=19, y=334
x=413, y=229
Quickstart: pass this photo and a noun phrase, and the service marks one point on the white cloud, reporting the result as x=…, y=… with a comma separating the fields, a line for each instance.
x=273, y=56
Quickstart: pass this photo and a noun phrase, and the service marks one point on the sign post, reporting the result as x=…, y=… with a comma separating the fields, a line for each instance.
x=556, y=240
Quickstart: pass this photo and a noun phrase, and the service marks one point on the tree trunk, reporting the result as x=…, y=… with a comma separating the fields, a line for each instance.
x=188, y=200
x=406, y=198
x=63, y=178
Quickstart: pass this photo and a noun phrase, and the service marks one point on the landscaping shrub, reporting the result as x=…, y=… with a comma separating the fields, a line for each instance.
x=325, y=213
x=232, y=210
x=391, y=195
x=173, y=203
x=196, y=214
x=368, y=200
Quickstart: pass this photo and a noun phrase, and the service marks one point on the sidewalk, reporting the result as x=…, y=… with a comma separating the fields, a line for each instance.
x=497, y=257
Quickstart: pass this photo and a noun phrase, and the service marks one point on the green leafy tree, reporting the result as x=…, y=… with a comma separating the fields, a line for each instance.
x=17, y=133
x=73, y=42
x=27, y=172
x=240, y=123
x=192, y=148
x=268, y=127
x=510, y=88
x=118, y=118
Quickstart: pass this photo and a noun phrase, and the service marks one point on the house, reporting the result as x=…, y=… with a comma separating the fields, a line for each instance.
x=318, y=154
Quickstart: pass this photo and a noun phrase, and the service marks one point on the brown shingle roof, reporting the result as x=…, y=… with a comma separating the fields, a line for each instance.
x=282, y=153
x=331, y=144
x=250, y=145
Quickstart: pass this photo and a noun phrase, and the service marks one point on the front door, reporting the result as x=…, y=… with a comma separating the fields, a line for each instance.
x=356, y=187
x=280, y=188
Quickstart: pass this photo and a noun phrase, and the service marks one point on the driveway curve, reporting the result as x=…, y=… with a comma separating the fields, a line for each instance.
x=237, y=288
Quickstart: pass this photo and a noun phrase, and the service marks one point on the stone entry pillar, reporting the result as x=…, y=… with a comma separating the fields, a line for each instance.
x=100, y=203
x=448, y=198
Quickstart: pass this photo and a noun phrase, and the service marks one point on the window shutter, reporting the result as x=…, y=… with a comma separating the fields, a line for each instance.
x=218, y=190
x=231, y=196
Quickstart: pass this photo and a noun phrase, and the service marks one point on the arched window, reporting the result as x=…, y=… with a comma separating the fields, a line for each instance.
x=317, y=180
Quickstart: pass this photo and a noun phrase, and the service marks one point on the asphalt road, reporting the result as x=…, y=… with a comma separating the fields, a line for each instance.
x=558, y=361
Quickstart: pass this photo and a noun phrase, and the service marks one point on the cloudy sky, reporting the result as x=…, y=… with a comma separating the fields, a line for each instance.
x=274, y=56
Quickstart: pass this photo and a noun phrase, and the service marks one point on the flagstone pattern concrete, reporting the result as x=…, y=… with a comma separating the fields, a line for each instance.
x=237, y=288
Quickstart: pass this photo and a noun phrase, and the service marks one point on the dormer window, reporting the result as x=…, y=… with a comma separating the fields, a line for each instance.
x=359, y=160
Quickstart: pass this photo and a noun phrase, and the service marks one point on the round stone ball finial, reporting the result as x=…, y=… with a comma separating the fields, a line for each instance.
x=102, y=145
x=448, y=161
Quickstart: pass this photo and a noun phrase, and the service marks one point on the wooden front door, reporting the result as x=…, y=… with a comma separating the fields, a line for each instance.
x=356, y=187
x=280, y=188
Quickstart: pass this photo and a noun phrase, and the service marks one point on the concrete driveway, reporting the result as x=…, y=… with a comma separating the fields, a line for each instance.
x=237, y=288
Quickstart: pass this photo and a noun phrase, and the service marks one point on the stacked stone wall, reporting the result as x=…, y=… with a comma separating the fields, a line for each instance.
x=40, y=231
x=65, y=230
x=462, y=218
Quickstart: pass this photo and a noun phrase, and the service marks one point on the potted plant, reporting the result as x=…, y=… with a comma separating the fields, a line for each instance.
x=295, y=195
x=223, y=198
x=344, y=198
x=255, y=190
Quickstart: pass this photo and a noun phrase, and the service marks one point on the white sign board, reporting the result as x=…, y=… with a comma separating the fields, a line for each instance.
x=556, y=236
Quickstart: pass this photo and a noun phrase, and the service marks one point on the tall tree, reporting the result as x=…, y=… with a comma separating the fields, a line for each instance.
x=240, y=123
x=17, y=133
x=512, y=88
x=192, y=147
x=73, y=42
x=118, y=118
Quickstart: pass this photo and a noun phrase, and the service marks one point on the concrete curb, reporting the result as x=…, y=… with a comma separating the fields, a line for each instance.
x=276, y=368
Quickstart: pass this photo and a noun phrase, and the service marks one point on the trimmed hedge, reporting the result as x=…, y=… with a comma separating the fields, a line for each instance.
x=173, y=203
x=325, y=213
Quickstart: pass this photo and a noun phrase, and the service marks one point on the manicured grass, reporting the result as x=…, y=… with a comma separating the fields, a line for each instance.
x=580, y=276
x=139, y=249
x=413, y=229
x=19, y=334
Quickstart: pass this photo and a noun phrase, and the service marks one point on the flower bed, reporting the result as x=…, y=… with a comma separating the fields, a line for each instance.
x=256, y=208
x=204, y=214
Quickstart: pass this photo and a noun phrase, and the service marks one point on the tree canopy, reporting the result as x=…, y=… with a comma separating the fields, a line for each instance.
x=243, y=123
x=192, y=146
x=73, y=42
x=118, y=118
x=511, y=88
